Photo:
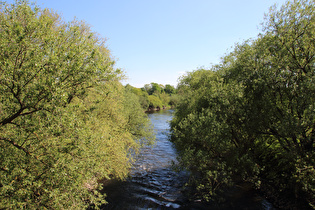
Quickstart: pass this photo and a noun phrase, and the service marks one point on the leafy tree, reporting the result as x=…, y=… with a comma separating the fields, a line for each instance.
x=201, y=132
x=138, y=122
x=156, y=88
x=165, y=98
x=153, y=88
x=173, y=101
x=251, y=117
x=64, y=123
x=146, y=88
x=287, y=91
x=163, y=95
x=155, y=102
x=142, y=95
x=169, y=89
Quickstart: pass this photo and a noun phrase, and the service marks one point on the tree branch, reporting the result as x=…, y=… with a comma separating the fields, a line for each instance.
x=21, y=148
x=12, y=117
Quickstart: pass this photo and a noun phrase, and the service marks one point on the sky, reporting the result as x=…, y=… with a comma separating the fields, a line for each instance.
x=159, y=40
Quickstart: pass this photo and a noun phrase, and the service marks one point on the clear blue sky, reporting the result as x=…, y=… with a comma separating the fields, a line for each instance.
x=158, y=40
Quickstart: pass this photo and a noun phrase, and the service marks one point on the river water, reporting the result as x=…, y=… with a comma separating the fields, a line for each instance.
x=153, y=184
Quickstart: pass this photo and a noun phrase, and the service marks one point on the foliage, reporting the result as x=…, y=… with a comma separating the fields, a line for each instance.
x=173, y=100
x=251, y=118
x=137, y=120
x=143, y=96
x=155, y=102
x=153, y=88
x=169, y=89
x=65, y=122
x=155, y=95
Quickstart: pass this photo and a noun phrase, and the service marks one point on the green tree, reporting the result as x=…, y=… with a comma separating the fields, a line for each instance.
x=169, y=89
x=143, y=96
x=138, y=122
x=251, y=117
x=287, y=92
x=64, y=124
x=146, y=88
x=201, y=132
x=156, y=88
x=164, y=96
x=155, y=102
x=153, y=88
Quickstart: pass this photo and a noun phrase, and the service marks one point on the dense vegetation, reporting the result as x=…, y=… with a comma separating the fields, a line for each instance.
x=155, y=96
x=65, y=119
x=252, y=117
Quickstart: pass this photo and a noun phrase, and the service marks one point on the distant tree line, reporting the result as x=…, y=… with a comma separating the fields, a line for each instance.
x=251, y=118
x=155, y=96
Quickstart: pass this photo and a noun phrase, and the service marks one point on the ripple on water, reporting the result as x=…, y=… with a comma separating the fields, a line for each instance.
x=154, y=185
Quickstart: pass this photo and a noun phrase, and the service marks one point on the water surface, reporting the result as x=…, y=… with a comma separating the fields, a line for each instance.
x=153, y=184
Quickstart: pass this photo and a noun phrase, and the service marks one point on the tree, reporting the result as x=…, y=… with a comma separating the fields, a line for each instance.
x=287, y=94
x=155, y=102
x=255, y=111
x=142, y=95
x=164, y=96
x=153, y=88
x=169, y=89
x=201, y=132
x=137, y=120
x=62, y=122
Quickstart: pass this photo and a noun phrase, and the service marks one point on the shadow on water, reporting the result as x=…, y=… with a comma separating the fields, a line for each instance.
x=153, y=184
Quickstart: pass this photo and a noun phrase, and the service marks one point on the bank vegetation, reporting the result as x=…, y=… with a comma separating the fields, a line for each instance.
x=251, y=118
x=66, y=121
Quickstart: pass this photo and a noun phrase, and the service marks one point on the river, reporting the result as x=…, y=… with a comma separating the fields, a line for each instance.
x=153, y=184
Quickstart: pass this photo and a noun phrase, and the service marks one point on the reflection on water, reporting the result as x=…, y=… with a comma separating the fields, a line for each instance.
x=154, y=185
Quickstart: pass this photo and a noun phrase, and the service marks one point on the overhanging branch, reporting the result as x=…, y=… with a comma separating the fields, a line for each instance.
x=21, y=148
